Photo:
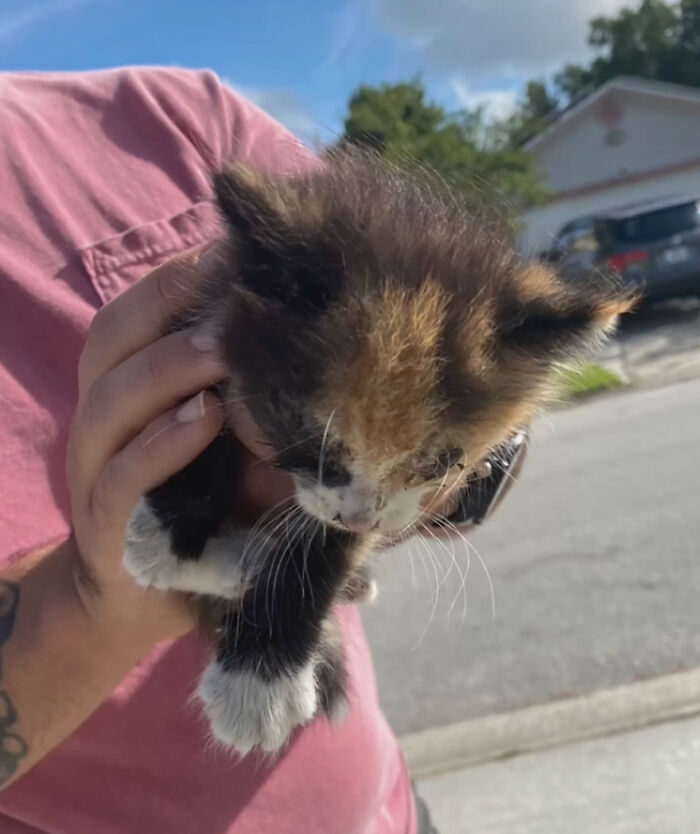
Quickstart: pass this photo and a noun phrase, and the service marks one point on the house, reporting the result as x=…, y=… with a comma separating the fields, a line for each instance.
x=629, y=140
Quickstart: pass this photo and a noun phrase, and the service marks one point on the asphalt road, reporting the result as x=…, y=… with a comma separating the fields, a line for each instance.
x=595, y=561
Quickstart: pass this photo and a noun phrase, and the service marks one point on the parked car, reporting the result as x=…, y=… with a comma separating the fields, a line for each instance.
x=654, y=245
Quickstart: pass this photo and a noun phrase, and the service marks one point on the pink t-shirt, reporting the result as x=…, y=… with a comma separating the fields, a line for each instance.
x=103, y=176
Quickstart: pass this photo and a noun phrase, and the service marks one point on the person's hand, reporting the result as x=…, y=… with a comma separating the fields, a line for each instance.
x=143, y=414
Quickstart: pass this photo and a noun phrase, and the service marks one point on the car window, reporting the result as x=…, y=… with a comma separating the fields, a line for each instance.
x=578, y=236
x=585, y=239
x=655, y=225
x=605, y=234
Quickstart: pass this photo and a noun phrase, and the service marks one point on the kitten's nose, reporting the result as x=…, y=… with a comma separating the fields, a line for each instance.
x=358, y=522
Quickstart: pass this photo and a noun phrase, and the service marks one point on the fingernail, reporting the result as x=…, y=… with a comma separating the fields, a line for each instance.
x=192, y=410
x=204, y=339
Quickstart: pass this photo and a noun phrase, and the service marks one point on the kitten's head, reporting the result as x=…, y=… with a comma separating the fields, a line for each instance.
x=384, y=338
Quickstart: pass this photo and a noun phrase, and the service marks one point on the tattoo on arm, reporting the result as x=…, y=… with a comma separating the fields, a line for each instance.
x=12, y=747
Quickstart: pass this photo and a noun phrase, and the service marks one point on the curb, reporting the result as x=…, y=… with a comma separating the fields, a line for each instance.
x=465, y=744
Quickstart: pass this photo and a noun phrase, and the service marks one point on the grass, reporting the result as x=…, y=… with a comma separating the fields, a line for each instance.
x=586, y=379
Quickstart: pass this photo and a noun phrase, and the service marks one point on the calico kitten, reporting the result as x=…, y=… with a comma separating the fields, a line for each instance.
x=384, y=340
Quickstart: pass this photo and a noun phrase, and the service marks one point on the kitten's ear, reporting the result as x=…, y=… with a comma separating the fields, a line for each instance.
x=554, y=319
x=253, y=205
x=274, y=222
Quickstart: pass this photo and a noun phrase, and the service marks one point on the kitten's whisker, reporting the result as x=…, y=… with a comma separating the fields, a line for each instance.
x=158, y=433
x=488, y=579
x=274, y=556
x=418, y=543
x=221, y=403
x=240, y=399
x=463, y=587
x=302, y=537
x=443, y=546
x=294, y=517
x=273, y=574
x=413, y=568
x=323, y=448
x=441, y=492
x=436, y=596
x=462, y=582
x=277, y=452
x=259, y=528
x=466, y=578
x=446, y=523
x=471, y=547
x=309, y=540
x=270, y=536
x=267, y=513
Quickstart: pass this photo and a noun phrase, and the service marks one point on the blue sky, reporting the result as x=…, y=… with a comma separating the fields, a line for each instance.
x=300, y=59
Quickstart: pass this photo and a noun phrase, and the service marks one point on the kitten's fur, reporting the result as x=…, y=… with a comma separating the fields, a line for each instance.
x=384, y=341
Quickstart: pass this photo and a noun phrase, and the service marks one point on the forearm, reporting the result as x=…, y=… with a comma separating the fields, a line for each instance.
x=56, y=667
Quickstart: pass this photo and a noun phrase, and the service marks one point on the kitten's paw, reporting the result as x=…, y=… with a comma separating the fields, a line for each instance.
x=147, y=556
x=247, y=712
x=149, y=560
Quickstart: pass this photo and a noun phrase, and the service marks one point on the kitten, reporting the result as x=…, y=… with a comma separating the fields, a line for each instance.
x=384, y=340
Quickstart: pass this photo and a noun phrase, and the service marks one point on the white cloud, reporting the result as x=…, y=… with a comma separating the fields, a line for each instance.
x=12, y=23
x=287, y=107
x=497, y=104
x=489, y=38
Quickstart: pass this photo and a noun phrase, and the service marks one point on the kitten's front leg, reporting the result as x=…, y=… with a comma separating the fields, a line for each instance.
x=272, y=660
x=223, y=569
x=173, y=536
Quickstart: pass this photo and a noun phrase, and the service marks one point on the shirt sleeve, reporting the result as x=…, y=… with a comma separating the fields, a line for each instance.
x=103, y=175
x=219, y=123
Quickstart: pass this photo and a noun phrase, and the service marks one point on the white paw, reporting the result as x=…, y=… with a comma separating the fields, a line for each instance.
x=246, y=712
x=144, y=570
x=149, y=560
x=147, y=557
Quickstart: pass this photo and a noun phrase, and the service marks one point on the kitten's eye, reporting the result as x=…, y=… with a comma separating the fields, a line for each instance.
x=452, y=456
x=334, y=474
x=435, y=468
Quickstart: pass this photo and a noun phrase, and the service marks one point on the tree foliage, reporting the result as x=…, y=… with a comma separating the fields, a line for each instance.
x=657, y=40
x=472, y=153
x=532, y=114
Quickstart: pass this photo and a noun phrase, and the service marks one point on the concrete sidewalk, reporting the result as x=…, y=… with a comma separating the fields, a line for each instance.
x=622, y=761
x=641, y=782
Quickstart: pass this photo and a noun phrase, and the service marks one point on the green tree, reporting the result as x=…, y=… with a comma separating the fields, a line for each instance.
x=573, y=80
x=391, y=115
x=684, y=64
x=656, y=40
x=466, y=149
x=635, y=42
x=532, y=114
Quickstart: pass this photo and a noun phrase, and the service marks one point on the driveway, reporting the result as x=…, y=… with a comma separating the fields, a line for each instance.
x=658, y=345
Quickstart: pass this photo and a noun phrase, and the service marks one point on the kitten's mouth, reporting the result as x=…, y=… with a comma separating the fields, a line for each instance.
x=359, y=525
